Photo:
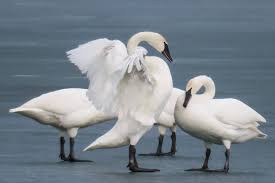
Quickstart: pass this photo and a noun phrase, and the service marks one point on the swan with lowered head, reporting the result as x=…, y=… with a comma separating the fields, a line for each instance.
x=215, y=121
x=70, y=109
x=67, y=110
x=167, y=120
x=136, y=88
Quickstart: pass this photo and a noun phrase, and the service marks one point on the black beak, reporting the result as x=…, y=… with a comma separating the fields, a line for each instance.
x=188, y=96
x=166, y=52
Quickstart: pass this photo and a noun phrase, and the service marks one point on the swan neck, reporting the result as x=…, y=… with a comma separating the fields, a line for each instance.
x=210, y=89
x=134, y=42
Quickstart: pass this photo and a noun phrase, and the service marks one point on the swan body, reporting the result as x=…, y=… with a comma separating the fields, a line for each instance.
x=123, y=82
x=216, y=121
x=63, y=109
x=67, y=110
x=70, y=109
x=166, y=118
x=131, y=127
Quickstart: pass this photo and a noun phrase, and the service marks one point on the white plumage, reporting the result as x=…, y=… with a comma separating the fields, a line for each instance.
x=70, y=109
x=167, y=120
x=67, y=110
x=63, y=109
x=136, y=88
x=106, y=62
x=218, y=121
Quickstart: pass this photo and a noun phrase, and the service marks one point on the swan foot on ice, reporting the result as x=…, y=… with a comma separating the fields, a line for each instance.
x=133, y=165
x=159, y=149
x=204, y=167
x=71, y=157
x=206, y=170
x=63, y=157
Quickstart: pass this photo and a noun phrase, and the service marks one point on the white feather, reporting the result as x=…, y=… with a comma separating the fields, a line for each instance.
x=63, y=109
x=216, y=120
x=105, y=62
x=134, y=87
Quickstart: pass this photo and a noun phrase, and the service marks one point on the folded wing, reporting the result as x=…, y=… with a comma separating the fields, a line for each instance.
x=236, y=113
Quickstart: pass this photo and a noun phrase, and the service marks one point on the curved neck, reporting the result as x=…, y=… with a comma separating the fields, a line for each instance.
x=209, y=86
x=134, y=41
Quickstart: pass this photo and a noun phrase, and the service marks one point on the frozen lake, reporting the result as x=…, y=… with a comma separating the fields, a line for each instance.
x=231, y=41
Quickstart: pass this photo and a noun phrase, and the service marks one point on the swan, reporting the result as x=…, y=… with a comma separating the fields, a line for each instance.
x=216, y=121
x=67, y=118
x=167, y=120
x=66, y=110
x=134, y=87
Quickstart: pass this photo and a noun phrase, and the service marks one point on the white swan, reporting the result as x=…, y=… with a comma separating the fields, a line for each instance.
x=135, y=87
x=167, y=120
x=67, y=110
x=215, y=121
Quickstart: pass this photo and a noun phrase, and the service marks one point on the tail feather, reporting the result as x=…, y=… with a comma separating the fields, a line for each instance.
x=92, y=146
x=109, y=140
x=261, y=119
x=115, y=137
x=14, y=110
x=261, y=135
x=22, y=110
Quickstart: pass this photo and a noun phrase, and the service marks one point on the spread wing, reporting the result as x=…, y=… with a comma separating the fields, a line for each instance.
x=105, y=62
x=102, y=60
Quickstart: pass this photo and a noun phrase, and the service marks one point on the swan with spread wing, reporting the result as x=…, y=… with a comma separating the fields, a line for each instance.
x=134, y=87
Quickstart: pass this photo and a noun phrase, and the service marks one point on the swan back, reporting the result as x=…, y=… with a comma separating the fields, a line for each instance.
x=60, y=102
x=234, y=112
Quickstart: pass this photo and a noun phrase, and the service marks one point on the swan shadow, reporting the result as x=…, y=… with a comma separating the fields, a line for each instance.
x=52, y=163
x=213, y=173
x=175, y=157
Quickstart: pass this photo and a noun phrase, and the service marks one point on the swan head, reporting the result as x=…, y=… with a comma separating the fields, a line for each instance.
x=197, y=82
x=158, y=42
x=193, y=86
x=154, y=39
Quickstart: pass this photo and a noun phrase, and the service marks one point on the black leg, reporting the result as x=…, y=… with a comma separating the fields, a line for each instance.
x=207, y=155
x=159, y=148
x=71, y=157
x=133, y=165
x=62, y=155
x=205, y=163
x=173, y=145
x=226, y=165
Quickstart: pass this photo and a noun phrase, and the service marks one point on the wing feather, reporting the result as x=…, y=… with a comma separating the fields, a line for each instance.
x=106, y=63
x=236, y=113
x=103, y=62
